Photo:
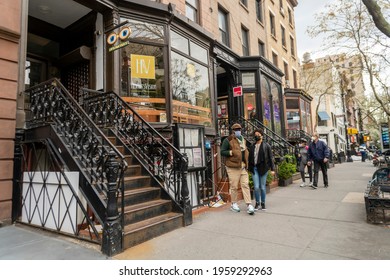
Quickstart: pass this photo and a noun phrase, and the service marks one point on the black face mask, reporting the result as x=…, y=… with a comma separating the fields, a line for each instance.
x=257, y=138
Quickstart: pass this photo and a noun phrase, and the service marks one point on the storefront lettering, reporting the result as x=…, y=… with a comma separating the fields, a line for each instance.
x=142, y=66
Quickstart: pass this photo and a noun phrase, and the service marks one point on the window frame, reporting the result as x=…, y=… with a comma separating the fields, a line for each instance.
x=226, y=34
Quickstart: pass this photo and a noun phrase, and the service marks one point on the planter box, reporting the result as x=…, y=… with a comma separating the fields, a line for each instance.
x=286, y=182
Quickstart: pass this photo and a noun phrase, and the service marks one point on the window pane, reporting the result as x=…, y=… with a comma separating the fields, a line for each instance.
x=223, y=27
x=146, y=31
x=191, y=91
x=292, y=103
x=199, y=53
x=292, y=119
x=179, y=42
x=191, y=13
x=276, y=108
x=265, y=100
x=147, y=96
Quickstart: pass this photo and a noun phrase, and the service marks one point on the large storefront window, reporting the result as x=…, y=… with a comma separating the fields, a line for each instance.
x=142, y=75
x=190, y=83
x=292, y=113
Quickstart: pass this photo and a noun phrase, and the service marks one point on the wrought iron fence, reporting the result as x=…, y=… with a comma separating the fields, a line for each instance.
x=163, y=161
x=100, y=164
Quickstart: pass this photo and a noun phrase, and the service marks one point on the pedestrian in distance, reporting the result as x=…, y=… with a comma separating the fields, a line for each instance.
x=318, y=153
x=235, y=151
x=261, y=161
x=303, y=162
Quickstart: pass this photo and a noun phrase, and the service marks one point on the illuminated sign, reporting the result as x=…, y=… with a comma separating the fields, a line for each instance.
x=237, y=91
x=143, y=66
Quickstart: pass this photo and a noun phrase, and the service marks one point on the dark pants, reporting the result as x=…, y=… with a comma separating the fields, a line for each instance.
x=317, y=165
x=302, y=170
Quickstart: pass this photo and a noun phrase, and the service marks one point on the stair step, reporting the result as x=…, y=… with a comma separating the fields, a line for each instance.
x=133, y=170
x=145, y=230
x=141, y=211
x=132, y=182
x=140, y=195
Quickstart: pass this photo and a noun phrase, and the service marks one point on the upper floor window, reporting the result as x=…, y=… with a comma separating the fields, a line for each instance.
x=223, y=27
x=192, y=10
x=283, y=35
x=275, y=59
x=292, y=46
x=286, y=76
x=244, y=2
x=295, y=77
x=272, y=24
x=245, y=41
x=261, y=48
x=290, y=19
x=259, y=10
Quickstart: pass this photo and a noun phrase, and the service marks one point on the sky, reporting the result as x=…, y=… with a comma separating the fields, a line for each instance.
x=304, y=17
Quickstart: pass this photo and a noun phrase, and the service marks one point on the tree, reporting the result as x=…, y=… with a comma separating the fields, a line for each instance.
x=377, y=16
x=349, y=28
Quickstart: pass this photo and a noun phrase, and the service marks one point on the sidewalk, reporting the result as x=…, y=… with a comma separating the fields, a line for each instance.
x=300, y=223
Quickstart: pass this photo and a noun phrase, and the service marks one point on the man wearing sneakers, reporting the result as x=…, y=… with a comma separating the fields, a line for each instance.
x=319, y=153
x=236, y=153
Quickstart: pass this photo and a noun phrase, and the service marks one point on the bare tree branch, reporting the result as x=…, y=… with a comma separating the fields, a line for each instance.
x=377, y=16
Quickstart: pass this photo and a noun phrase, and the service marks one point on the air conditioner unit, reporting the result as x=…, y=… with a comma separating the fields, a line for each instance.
x=287, y=83
x=282, y=11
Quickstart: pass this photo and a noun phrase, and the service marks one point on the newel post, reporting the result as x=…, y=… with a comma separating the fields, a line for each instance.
x=185, y=194
x=112, y=229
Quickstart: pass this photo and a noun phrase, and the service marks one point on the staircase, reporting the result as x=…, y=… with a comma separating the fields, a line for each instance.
x=147, y=212
x=134, y=181
x=280, y=146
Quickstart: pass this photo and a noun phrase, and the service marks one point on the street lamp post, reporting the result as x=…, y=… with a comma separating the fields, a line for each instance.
x=349, y=158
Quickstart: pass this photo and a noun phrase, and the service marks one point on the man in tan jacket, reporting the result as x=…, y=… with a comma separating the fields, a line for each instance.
x=236, y=153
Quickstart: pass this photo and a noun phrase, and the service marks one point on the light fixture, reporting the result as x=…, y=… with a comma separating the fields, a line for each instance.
x=44, y=9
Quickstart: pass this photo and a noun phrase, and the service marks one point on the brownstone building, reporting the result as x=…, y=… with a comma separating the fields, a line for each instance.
x=127, y=102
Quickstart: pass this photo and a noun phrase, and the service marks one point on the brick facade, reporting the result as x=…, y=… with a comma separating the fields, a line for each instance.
x=10, y=12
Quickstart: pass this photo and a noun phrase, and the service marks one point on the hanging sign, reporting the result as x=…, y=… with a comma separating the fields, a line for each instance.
x=119, y=40
x=237, y=91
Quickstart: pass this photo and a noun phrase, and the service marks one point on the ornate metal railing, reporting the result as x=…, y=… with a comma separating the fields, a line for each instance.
x=278, y=144
x=50, y=197
x=164, y=162
x=295, y=135
x=100, y=164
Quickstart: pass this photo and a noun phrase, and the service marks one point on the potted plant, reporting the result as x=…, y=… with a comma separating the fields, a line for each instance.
x=285, y=171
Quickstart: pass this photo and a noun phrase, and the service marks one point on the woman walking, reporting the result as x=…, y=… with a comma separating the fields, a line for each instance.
x=260, y=162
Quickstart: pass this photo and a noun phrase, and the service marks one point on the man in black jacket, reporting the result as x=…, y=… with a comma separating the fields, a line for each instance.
x=318, y=153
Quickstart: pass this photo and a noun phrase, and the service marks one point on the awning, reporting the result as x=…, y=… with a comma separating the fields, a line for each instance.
x=323, y=115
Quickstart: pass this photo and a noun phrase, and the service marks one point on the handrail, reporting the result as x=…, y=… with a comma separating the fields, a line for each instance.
x=277, y=142
x=160, y=157
x=51, y=103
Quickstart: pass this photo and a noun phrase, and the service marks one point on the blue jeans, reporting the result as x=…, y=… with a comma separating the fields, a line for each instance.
x=259, y=185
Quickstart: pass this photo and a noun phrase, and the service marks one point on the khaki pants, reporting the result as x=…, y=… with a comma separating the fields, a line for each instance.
x=237, y=175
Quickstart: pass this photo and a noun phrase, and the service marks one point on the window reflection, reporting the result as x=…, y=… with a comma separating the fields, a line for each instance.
x=190, y=90
x=147, y=96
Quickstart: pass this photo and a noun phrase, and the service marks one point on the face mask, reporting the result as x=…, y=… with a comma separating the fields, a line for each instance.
x=257, y=138
x=237, y=133
x=313, y=138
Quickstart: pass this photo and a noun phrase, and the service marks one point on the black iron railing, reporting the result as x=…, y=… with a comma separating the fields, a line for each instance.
x=49, y=198
x=295, y=135
x=279, y=145
x=100, y=164
x=163, y=161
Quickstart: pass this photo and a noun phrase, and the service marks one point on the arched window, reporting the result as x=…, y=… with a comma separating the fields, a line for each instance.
x=276, y=104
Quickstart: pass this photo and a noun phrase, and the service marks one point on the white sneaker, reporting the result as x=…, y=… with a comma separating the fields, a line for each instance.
x=235, y=207
x=250, y=210
x=303, y=185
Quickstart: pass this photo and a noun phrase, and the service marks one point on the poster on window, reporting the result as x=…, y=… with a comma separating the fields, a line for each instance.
x=198, y=161
x=276, y=112
x=267, y=111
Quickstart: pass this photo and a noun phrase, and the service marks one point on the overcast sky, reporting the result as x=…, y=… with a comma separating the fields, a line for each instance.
x=304, y=17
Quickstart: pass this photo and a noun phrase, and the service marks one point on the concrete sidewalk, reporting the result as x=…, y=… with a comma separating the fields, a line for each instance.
x=300, y=223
